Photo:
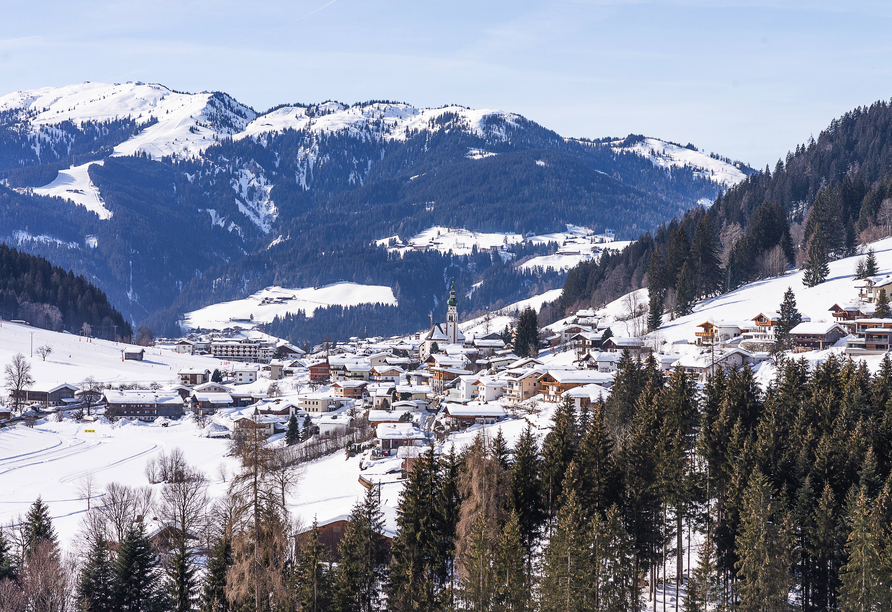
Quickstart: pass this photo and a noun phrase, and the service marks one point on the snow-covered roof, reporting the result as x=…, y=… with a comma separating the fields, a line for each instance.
x=591, y=392
x=398, y=431
x=142, y=397
x=213, y=398
x=580, y=376
x=476, y=409
x=815, y=328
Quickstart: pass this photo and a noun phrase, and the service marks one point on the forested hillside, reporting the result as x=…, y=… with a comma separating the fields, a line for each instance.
x=819, y=203
x=47, y=296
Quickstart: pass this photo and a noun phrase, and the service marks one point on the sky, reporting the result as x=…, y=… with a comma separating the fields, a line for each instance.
x=746, y=79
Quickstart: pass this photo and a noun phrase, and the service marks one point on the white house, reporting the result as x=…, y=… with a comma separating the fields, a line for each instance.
x=245, y=374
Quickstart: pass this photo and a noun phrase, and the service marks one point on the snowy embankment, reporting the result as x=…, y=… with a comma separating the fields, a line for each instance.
x=267, y=304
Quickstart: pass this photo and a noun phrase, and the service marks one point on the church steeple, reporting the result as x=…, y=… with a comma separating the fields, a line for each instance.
x=452, y=316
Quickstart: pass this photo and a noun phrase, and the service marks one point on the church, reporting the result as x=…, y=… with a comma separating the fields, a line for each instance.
x=444, y=333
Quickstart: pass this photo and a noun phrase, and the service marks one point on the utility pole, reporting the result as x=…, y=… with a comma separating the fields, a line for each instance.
x=32, y=344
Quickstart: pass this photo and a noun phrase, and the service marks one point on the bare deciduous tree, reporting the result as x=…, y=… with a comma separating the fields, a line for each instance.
x=91, y=392
x=18, y=379
x=86, y=485
x=44, y=351
x=122, y=506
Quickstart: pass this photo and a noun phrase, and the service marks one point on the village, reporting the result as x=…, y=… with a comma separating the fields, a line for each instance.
x=394, y=396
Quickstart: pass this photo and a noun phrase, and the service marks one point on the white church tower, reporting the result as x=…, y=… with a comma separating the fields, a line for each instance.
x=452, y=317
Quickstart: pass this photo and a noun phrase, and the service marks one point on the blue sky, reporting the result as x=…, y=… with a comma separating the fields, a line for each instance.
x=745, y=79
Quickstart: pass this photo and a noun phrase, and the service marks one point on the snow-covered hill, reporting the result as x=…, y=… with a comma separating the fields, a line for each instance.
x=265, y=305
x=669, y=155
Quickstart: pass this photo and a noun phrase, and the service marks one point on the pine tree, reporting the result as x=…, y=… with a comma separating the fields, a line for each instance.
x=137, y=579
x=685, y=295
x=703, y=588
x=816, y=267
x=764, y=551
x=788, y=318
x=865, y=581
x=362, y=568
x=314, y=588
x=213, y=598
x=882, y=310
x=96, y=585
x=292, y=434
x=38, y=527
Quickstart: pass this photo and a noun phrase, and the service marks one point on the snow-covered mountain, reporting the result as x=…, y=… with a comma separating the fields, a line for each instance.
x=155, y=187
x=670, y=155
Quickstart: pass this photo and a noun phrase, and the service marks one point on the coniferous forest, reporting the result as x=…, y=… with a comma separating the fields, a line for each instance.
x=47, y=296
x=732, y=496
x=818, y=204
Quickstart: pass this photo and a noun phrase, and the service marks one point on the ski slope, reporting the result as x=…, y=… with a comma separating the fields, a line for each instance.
x=75, y=186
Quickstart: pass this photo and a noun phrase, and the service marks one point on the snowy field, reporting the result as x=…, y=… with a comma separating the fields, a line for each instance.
x=575, y=245
x=74, y=358
x=267, y=304
x=75, y=186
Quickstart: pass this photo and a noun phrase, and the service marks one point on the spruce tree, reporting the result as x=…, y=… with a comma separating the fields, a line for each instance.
x=557, y=452
x=137, y=579
x=566, y=581
x=526, y=490
x=870, y=264
x=592, y=475
x=816, y=266
x=615, y=564
x=7, y=561
x=703, y=589
x=38, y=527
x=788, y=318
x=512, y=583
x=866, y=583
x=361, y=570
x=292, y=434
x=656, y=290
x=526, y=342
x=96, y=583
x=213, y=598
x=307, y=428
x=313, y=589
x=707, y=264
x=764, y=550
x=882, y=310
x=685, y=292
x=418, y=563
